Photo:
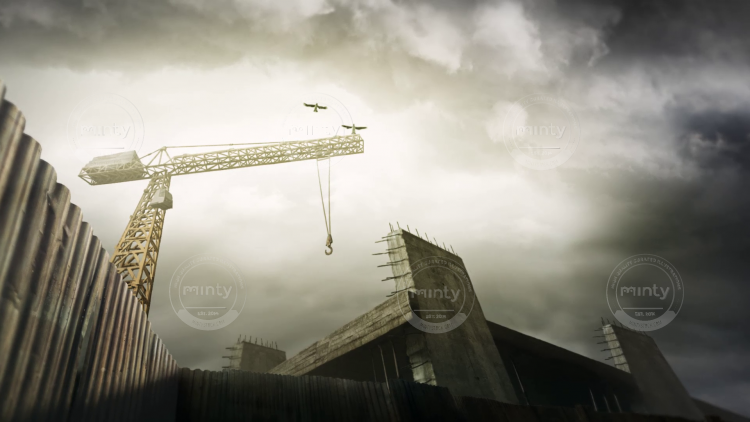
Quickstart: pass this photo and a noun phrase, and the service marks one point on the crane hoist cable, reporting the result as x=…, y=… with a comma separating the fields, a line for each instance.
x=326, y=218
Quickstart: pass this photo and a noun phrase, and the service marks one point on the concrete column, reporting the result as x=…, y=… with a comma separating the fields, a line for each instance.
x=463, y=359
x=662, y=391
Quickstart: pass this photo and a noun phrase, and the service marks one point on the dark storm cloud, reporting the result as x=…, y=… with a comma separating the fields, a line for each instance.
x=715, y=139
x=368, y=42
x=663, y=30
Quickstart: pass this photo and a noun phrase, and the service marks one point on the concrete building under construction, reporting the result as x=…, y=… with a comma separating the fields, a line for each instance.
x=260, y=356
x=482, y=359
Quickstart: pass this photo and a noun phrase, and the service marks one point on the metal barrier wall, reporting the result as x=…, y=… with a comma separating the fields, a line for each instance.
x=234, y=395
x=74, y=343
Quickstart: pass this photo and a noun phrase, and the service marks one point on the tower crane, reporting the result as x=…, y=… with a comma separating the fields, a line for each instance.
x=137, y=251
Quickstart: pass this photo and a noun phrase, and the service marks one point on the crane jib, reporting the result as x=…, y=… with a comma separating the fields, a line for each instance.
x=126, y=167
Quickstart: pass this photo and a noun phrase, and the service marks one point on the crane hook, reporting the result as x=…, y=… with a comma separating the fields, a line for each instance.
x=329, y=241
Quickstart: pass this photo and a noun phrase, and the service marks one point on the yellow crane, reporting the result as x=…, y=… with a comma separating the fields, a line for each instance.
x=137, y=251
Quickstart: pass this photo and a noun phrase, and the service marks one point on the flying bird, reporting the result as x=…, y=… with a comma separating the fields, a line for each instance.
x=354, y=128
x=315, y=107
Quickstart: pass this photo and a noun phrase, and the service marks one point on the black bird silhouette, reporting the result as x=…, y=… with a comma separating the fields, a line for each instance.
x=354, y=128
x=315, y=107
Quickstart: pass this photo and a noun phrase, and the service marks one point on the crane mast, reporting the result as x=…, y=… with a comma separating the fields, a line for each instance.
x=137, y=251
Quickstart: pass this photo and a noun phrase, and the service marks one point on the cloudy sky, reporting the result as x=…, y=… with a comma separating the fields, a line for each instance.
x=660, y=95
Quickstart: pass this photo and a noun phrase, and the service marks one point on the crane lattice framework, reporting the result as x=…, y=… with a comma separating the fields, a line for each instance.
x=137, y=251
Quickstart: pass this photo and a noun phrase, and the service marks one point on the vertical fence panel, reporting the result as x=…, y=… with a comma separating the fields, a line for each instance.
x=67, y=321
x=20, y=290
x=101, y=396
x=129, y=365
x=89, y=322
x=74, y=343
x=54, y=317
x=87, y=397
x=88, y=400
x=142, y=370
x=19, y=160
x=12, y=124
x=76, y=326
x=45, y=316
x=30, y=352
x=113, y=410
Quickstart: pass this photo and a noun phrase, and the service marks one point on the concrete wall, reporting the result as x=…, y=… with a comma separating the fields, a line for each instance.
x=662, y=391
x=356, y=333
x=712, y=411
x=463, y=359
x=249, y=356
x=548, y=375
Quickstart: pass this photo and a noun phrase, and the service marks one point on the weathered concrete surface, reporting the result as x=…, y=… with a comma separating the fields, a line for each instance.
x=249, y=356
x=364, y=329
x=465, y=358
x=709, y=409
x=662, y=391
x=479, y=358
x=553, y=376
x=383, y=359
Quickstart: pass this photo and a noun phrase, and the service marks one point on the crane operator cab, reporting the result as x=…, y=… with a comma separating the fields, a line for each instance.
x=162, y=200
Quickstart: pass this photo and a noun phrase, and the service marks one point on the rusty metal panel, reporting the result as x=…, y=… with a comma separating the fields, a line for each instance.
x=66, y=321
x=86, y=394
x=151, y=371
x=48, y=331
x=14, y=197
x=103, y=380
x=138, y=382
x=72, y=239
x=157, y=382
x=98, y=368
x=80, y=323
x=157, y=374
x=127, y=364
x=124, y=338
x=135, y=372
x=77, y=325
x=71, y=333
x=12, y=124
x=20, y=295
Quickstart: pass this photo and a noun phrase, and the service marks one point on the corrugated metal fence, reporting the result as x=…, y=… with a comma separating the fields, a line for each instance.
x=74, y=343
x=208, y=396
